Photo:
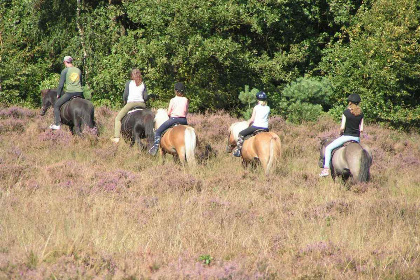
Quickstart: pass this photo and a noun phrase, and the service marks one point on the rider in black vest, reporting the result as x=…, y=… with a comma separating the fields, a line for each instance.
x=351, y=127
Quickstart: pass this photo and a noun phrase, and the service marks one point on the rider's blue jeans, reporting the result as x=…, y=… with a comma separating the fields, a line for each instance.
x=335, y=144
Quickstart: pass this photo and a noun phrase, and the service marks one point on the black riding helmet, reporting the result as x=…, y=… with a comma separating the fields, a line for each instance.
x=179, y=87
x=261, y=96
x=354, y=98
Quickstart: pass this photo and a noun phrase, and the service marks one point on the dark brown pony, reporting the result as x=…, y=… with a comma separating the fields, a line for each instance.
x=179, y=140
x=350, y=161
x=137, y=125
x=265, y=147
x=76, y=113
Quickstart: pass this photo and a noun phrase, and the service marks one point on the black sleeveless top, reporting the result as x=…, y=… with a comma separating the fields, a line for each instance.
x=352, y=124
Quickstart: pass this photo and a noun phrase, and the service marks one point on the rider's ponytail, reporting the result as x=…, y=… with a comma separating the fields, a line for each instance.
x=355, y=109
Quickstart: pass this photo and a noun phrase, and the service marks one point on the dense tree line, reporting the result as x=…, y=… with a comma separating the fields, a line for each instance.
x=308, y=55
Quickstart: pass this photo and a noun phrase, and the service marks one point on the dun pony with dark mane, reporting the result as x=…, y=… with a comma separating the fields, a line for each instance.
x=265, y=147
x=179, y=140
x=76, y=113
x=137, y=125
x=353, y=160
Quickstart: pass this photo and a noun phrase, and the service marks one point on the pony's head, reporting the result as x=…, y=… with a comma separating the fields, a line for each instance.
x=48, y=97
x=234, y=130
x=323, y=143
x=160, y=117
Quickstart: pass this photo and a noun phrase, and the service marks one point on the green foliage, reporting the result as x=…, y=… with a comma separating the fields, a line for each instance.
x=217, y=47
x=206, y=259
x=303, y=100
x=50, y=81
x=377, y=57
x=248, y=97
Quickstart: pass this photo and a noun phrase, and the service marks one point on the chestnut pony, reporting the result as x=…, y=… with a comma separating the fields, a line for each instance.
x=179, y=140
x=264, y=147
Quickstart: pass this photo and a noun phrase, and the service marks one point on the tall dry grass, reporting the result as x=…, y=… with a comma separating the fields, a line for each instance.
x=84, y=208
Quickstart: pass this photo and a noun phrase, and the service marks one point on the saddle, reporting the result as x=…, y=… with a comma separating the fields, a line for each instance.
x=134, y=109
x=74, y=97
x=255, y=133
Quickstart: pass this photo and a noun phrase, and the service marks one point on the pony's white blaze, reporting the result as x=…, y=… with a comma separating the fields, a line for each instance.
x=237, y=127
x=161, y=116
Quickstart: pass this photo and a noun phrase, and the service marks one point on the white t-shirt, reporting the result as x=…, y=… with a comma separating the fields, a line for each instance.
x=261, y=116
x=135, y=93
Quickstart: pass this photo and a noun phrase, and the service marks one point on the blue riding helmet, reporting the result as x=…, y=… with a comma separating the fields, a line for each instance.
x=261, y=96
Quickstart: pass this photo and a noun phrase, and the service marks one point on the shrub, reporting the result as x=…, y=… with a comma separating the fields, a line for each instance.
x=303, y=100
x=248, y=98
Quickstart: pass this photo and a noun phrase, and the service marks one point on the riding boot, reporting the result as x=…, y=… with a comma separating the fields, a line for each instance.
x=153, y=150
x=237, y=152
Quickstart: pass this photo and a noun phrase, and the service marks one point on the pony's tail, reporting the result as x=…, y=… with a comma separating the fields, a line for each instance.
x=89, y=121
x=275, y=150
x=190, y=140
x=365, y=161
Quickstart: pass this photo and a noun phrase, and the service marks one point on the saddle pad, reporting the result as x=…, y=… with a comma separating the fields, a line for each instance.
x=133, y=110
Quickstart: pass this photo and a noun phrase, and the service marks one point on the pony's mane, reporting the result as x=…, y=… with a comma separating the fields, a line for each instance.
x=161, y=116
x=237, y=127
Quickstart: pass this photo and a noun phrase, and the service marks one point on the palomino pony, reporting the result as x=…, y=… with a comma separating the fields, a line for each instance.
x=137, y=125
x=350, y=160
x=75, y=113
x=264, y=147
x=179, y=140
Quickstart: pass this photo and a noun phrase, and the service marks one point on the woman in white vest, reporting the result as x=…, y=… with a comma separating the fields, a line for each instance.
x=135, y=95
x=259, y=121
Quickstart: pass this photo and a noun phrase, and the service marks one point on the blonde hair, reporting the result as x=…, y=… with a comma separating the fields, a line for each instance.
x=355, y=109
x=136, y=76
x=262, y=102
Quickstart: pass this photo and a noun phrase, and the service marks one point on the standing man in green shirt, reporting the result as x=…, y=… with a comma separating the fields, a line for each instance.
x=71, y=78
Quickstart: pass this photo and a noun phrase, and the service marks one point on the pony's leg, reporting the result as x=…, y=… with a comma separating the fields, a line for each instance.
x=77, y=128
x=162, y=155
x=141, y=145
x=244, y=164
x=181, y=155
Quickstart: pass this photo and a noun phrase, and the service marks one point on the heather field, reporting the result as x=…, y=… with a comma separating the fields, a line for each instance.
x=85, y=208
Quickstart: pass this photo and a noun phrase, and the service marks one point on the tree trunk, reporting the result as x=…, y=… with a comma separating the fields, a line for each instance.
x=82, y=41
